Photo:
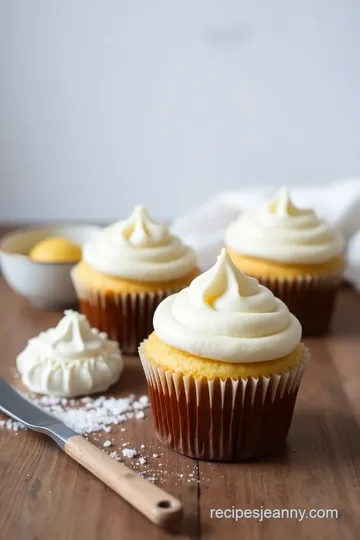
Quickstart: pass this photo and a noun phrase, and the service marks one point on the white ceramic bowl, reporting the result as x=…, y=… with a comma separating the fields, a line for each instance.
x=46, y=285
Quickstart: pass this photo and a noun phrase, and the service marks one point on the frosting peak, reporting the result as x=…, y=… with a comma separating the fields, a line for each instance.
x=279, y=231
x=72, y=337
x=225, y=315
x=282, y=205
x=139, y=249
x=223, y=286
x=141, y=231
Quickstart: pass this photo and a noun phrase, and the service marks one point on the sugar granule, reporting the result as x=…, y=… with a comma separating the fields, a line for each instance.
x=107, y=443
x=12, y=425
x=129, y=452
x=115, y=455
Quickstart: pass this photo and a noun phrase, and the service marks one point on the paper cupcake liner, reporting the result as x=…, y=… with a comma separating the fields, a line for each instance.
x=310, y=299
x=126, y=318
x=222, y=420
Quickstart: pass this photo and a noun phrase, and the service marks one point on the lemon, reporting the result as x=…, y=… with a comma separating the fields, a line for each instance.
x=56, y=250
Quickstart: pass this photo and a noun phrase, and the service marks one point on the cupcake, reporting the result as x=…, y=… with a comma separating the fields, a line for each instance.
x=223, y=367
x=295, y=254
x=70, y=360
x=125, y=273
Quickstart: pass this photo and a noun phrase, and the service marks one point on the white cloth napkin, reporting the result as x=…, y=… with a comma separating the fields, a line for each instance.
x=338, y=203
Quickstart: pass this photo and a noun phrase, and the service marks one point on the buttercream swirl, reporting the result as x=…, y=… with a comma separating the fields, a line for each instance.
x=280, y=231
x=139, y=249
x=71, y=359
x=225, y=315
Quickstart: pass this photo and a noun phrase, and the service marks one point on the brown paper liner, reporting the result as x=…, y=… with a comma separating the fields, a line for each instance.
x=310, y=299
x=222, y=420
x=126, y=318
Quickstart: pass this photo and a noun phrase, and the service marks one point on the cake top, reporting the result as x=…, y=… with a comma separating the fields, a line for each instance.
x=139, y=249
x=227, y=316
x=280, y=231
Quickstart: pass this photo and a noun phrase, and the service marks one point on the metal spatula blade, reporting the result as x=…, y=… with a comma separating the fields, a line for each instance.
x=17, y=407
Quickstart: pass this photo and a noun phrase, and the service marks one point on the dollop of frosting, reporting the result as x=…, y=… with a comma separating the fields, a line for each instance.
x=280, y=231
x=139, y=249
x=71, y=359
x=227, y=316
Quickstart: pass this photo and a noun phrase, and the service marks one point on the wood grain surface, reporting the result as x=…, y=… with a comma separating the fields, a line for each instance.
x=46, y=495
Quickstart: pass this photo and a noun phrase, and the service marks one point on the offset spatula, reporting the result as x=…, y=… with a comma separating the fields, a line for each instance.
x=157, y=505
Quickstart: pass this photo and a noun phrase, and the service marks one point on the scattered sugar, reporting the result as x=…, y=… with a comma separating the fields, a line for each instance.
x=115, y=455
x=12, y=425
x=93, y=414
x=129, y=452
x=144, y=402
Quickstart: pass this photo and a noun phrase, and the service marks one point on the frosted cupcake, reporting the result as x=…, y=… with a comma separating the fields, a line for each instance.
x=70, y=360
x=126, y=272
x=223, y=367
x=294, y=253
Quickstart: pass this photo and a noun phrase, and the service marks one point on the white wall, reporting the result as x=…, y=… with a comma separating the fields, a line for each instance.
x=107, y=103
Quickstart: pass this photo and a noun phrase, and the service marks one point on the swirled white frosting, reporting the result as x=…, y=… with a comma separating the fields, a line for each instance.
x=71, y=359
x=139, y=249
x=225, y=315
x=280, y=231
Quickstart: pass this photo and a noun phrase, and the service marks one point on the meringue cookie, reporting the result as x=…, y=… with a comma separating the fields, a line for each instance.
x=71, y=359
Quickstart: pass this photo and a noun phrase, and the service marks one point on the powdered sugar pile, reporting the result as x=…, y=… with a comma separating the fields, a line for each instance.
x=93, y=414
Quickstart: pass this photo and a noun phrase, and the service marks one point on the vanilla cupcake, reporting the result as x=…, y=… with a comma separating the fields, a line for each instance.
x=223, y=367
x=126, y=272
x=294, y=253
x=70, y=360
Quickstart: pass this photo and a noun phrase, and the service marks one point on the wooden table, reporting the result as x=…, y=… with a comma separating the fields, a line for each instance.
x=45, y=495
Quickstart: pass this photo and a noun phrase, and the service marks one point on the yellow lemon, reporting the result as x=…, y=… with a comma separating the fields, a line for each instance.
x=56, y=250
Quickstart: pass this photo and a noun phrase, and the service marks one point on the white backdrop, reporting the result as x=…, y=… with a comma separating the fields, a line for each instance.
x=107, y=103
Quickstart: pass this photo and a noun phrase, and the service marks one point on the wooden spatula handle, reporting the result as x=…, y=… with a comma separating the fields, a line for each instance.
x=157, y=505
